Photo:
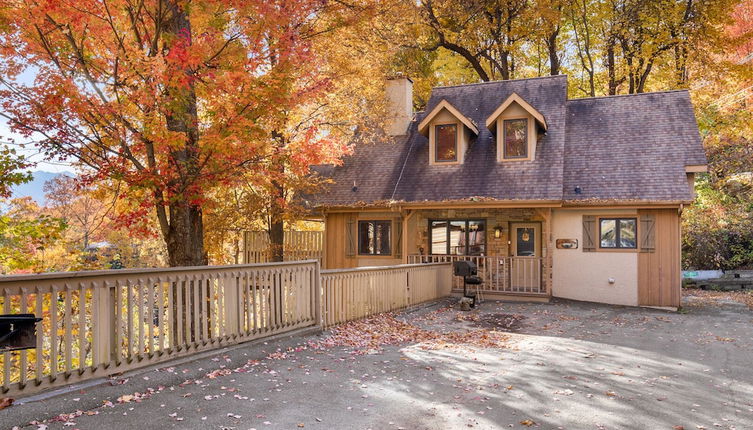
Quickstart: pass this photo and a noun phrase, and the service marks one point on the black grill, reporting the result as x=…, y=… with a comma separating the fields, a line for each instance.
x=464, y=268
x=468, y=270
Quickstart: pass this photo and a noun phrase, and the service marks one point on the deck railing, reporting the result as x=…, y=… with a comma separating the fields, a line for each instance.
x=103, y=322
x=99, y=323
x=351, y=294
x=509, y=275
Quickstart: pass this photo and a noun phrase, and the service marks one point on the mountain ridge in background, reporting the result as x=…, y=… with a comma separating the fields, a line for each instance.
x=35, y=187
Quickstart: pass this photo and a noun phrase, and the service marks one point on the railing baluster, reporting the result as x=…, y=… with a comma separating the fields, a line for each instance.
x=54, y=333
x=140, y=318
x=68, y=331
x=22, y=369
x=41, y=335
x=7, y=357
x=150, y=315
x=161, y=326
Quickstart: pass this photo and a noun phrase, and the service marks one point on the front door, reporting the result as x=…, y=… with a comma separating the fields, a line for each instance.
x=525, y=267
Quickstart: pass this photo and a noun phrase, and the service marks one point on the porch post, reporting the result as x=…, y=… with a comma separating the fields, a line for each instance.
x=548, y=260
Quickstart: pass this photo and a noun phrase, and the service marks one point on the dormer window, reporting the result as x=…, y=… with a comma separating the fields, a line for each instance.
x=446, y=136
x=449, y=133
x=515, y=138
x=515, y=123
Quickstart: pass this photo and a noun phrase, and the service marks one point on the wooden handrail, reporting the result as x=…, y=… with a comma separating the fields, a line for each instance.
x=97, y=323
x=509, y=275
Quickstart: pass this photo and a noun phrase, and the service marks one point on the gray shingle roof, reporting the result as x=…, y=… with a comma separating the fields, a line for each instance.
x=632, y=147
x=614, y=148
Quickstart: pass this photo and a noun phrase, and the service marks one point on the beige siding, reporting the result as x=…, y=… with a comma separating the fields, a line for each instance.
x=580, y=275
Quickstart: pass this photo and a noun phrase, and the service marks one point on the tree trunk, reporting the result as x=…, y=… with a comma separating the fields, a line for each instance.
x=277, y=224
x=185, y=236
x=611, y=72
x=554, y=59
x=184, y=231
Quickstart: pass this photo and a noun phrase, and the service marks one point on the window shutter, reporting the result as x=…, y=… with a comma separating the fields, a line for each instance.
x=589, y=233
x=397, y=249
x=647, y=231
x=350, y=238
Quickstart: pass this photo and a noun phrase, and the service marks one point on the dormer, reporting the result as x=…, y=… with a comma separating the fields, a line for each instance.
x=516, y=123
x=449, y=132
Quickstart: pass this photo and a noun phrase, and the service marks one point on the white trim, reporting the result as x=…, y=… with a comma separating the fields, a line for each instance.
x=491, y=122
x=423, y=126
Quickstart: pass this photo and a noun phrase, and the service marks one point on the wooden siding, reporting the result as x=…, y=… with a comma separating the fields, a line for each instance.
x=335, y=237
x=659, y=279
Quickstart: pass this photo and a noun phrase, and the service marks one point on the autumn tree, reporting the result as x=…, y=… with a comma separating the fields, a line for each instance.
x=25, y=234
x=86, y=212
x=168, y=96
x=347, y=109
x=486, y=33
x=13, y=170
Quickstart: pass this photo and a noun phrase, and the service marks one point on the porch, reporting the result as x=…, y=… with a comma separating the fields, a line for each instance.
x=521, y=276
x=511, y=247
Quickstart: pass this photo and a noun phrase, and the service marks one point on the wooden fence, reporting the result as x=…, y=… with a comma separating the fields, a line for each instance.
x=297, y=245
x=103, y=322
x=351, y=294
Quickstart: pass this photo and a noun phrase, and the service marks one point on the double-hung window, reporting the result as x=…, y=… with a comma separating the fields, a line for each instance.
x=618, y=233
x=374, y=237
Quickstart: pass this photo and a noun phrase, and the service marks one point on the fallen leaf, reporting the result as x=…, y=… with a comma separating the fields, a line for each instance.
x=5, y=402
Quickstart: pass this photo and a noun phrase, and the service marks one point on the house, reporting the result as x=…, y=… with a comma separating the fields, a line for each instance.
x=550, y=196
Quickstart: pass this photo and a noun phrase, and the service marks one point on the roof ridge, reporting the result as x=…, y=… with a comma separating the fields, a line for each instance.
x=628, y=95
x=497, y=82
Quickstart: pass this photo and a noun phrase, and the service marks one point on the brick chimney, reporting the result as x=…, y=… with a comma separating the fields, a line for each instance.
x=399, y=105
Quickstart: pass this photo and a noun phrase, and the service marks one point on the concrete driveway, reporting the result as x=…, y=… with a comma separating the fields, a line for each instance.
x=563, y=365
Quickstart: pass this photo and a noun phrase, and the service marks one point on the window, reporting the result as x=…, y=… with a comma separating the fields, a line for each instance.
x=617, y=233
x=374, y=237
x=457, y=237
x=446, y=148
x=515, y=138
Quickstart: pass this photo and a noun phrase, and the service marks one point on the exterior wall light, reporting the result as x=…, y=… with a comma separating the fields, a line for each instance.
x=497, y=231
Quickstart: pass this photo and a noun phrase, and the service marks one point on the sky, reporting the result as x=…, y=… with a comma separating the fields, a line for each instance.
x=31, y=152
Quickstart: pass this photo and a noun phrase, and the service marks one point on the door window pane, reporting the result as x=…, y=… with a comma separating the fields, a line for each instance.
x=446, y=143
x=516, y=138
x=526, y=241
